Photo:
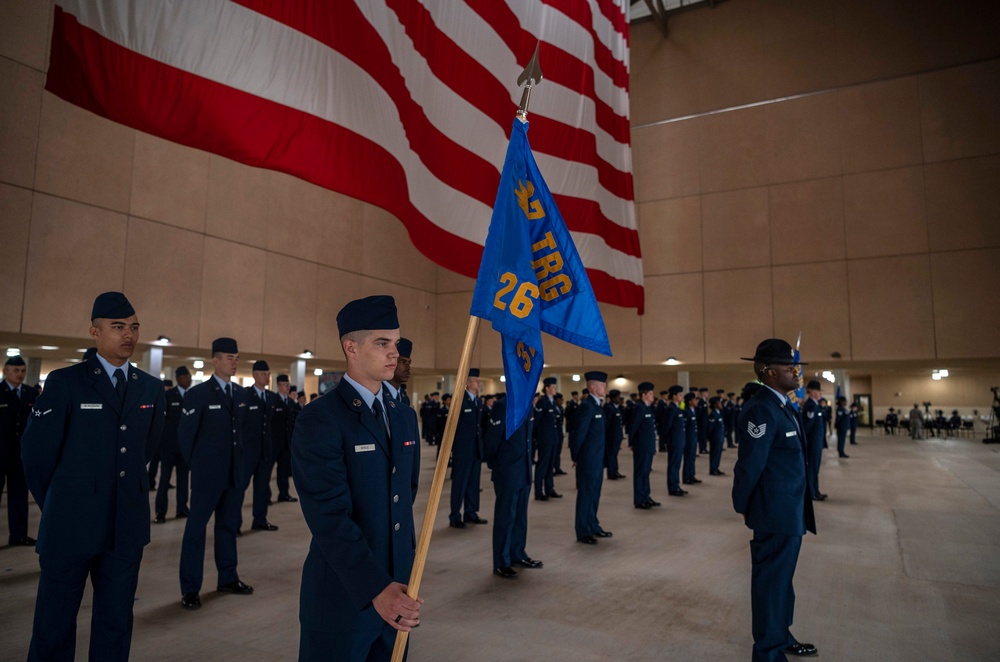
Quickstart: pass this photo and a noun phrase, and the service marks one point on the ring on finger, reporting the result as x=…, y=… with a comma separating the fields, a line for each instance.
x=399, y=618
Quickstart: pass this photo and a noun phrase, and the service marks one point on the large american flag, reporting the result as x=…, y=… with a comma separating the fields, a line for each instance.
x=406, y=104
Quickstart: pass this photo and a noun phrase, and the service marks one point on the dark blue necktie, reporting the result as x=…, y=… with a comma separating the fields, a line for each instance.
x=377, y=408
x=120, y=384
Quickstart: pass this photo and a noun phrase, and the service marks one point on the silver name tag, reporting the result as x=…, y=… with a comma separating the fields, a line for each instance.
x=598, y=416
x=215, y=406
x=175, y=404
x=364, y=448
x=467, y=411
x=252, y=407
x=790, y=434
x=91, y=405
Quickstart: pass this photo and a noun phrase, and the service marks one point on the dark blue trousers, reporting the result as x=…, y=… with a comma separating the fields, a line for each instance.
x=674, y=455
x=12, y=473
x=690, y=457
x=841, y=441
x=63, y=577
x=556, y=461
x=611, y=449
x=773, y=558
x=589, y=479
x=642, y=464
x=465, y=489
x=368, y=639
x=545, y=468
x=510, y=524
x=169, y=462
x=814, y=451
x=714, y=452
x=259, y=472
x=225, y=503
x=283, y=462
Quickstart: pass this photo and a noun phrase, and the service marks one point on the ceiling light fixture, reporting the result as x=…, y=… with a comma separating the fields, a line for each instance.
x=672, y=361
x=162, y=340
x=318, y=372
x=13, y=351
x=306, y=354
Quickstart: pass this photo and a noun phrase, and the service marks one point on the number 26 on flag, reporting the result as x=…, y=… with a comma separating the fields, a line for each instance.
x=521, y=303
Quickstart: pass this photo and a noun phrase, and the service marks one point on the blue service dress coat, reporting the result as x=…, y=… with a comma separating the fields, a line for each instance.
x=467, y=460
x=642, y=440
x=586, y=447
x=769, y=490
x=258, y=458
x=716, y=434
x=84, y=454
x=692, y=439
x=843, y=425
x=171, y=458
x=547, y=432
x=814, y=428
x=15, y=409
x=356, y=489
x=614, y=433
x=510, y=460
x=672, y=437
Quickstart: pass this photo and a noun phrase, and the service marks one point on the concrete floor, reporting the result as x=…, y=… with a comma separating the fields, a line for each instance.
x=906, y=566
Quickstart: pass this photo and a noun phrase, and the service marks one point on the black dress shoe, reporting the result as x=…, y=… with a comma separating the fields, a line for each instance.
x=477, y=520
x=263, y=526
x=621, y=475
x=505, y=573
x=612, y=477
x=819, y=497
x=844, y=455
x=237, y=587
x=26, y=541
x=541, y=497
x=644, y=506
x=287, y=498
x=457, y=525
x=528, y=563
x=554, y=495
x=559, y=472
x=692, y=481
x=170, y=486
x=677, y=493
x=182, y=515
x=802, y=650
x=191, y=601
x=603, y=534
x=159, y=519
x=587, y=540
x=717, y=473
x=654, y=503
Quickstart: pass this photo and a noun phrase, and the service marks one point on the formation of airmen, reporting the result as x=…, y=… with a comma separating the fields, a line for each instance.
x=343, y=451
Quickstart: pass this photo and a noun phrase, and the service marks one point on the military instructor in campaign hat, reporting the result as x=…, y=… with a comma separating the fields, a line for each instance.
x=85, y=451
x=354, y=458
x=769, y=490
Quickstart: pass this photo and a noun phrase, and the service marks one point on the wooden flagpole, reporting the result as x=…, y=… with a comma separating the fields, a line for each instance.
x=437, y=485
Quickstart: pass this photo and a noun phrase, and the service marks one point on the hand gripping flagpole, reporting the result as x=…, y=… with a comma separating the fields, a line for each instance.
x=531, y=75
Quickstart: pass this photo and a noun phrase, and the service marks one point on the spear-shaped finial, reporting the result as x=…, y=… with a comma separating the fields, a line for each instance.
x=532, y=75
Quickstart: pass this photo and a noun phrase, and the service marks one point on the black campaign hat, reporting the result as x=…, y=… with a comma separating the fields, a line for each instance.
x=404, y=347
x=181, y=371
x=646, y=386
x=549, y=381
x=596, y=376
x=775, y=351
x=14, y=360
x=260, y=366
x=374, y=312
x=111, y=305
x=225, y=346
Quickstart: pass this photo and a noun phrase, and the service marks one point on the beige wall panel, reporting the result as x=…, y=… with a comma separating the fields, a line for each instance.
x=237, y=202
x=670, y=235
x=664, y=77
x=729, y=77
x=803, y=139
x=959, y=111
x=625, y=334
x=963, y=203
x=665, y=161
x=965, y=389
x=289, y=304
x=966, y=310
x=389, y=254
x=163, y=270
x=83, y=157
x=891, y=315
x=797, y=63
x=169, y=182
x=884, y=213
x=674, y=323
x=20, y=105
x=416, y=310
x=334, y=288
x=812, y=299
x=314, y=224
x=735, y=229
x=561, y=354
x=880, y=125
x=15, y=225
x=75, y=252
x=732, y=149
x=488, y=353
x=451, y=322
x=231, y=302
x=807, y=221
x=449, y=281
x=24, y=32
x=787, y=19
x=738, y=313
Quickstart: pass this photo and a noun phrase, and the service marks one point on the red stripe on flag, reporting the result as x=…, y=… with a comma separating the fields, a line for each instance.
x=580, y=14
x=617, y=16
x=617, y=291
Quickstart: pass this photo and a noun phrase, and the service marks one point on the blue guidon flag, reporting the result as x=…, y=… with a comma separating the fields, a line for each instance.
x=531, y=278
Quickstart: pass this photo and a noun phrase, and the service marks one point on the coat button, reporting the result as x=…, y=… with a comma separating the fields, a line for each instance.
x=123, y=449
x=396, y=527
x=123, y=428
x=121, y=474
x=395, y=498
